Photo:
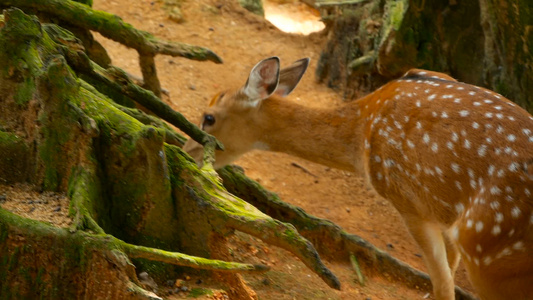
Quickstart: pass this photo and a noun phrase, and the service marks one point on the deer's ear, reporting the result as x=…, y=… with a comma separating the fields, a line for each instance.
x=290, y=76
x=263, y=79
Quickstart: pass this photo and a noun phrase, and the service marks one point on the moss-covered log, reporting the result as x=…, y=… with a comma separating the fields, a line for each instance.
x=132, y=194
x=485, y=42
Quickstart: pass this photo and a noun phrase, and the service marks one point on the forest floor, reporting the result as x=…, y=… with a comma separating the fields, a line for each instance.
x=242, y=39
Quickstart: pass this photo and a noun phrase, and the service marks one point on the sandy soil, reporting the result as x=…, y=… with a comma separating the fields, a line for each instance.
x=242, y=39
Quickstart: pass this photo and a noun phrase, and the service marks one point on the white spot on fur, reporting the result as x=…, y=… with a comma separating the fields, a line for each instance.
x=479, y=226
x=435, y=147
x=455, y=167
x=516, y=212
x=425, y=138
x=458, y=185
x=495, y=190
x=469, y=223
x=496, y=230
x=519, y=246
x=459, y=208
x=482, y=150
x=498, y=217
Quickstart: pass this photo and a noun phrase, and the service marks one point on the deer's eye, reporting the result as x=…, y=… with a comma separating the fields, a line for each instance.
x=209, y=120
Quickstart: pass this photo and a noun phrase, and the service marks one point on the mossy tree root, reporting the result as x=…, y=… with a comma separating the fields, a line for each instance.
x=35, y=253
x=80, y=189
x=113, y=27
x=120, y=80
x=151, y=82
x=332, y=241
x=237, y=214
x=115, y=81
x=25, y=241
x=122, y=177
x=180, y=259
x=171, y=136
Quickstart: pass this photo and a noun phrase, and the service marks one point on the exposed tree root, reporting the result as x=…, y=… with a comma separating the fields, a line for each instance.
x=116, y=80
x=240, y=215
x=112, y=27
x=171, y=137
x=108, y=242
x=185, y=260
x=122, y=178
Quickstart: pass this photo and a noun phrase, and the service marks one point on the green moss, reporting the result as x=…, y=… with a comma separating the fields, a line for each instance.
x=7, y=138
x=291, y=234
x=41, y=284
x=175, y=164
x=134, y=159
x=86, y=2
x=254, y=6
x=25, y=91
x=68, y=252
x=396, y=13
x=24, y=272
x=20, y=58
x=3, y=233
x=199, y=292
x=13, y=259
x=3, y=271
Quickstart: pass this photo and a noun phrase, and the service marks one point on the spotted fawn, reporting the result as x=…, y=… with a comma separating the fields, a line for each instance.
x=454, y=159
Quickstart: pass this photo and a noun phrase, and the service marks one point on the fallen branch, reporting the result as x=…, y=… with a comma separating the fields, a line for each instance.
x=303, y=169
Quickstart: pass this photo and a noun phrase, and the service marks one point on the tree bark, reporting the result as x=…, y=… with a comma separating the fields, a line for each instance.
x=487, y=43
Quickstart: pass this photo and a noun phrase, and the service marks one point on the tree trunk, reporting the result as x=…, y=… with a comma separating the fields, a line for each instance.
x=486, y=43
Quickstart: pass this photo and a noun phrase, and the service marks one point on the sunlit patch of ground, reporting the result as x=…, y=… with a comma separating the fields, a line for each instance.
x=295, y=17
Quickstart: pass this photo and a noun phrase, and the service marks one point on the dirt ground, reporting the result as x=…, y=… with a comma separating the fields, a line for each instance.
x=241, y=40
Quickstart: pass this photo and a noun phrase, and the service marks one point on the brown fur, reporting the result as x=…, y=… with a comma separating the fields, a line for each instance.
x=454, y=159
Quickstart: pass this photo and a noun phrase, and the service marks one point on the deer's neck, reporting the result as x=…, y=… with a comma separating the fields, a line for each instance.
x=332, y=137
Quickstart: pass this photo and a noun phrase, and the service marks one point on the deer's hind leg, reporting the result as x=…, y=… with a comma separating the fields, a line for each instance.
x=431, y=240
x=452, y=252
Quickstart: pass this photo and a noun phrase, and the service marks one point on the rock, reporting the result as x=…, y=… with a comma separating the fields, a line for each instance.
x=175, y=15
x=147, y=281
